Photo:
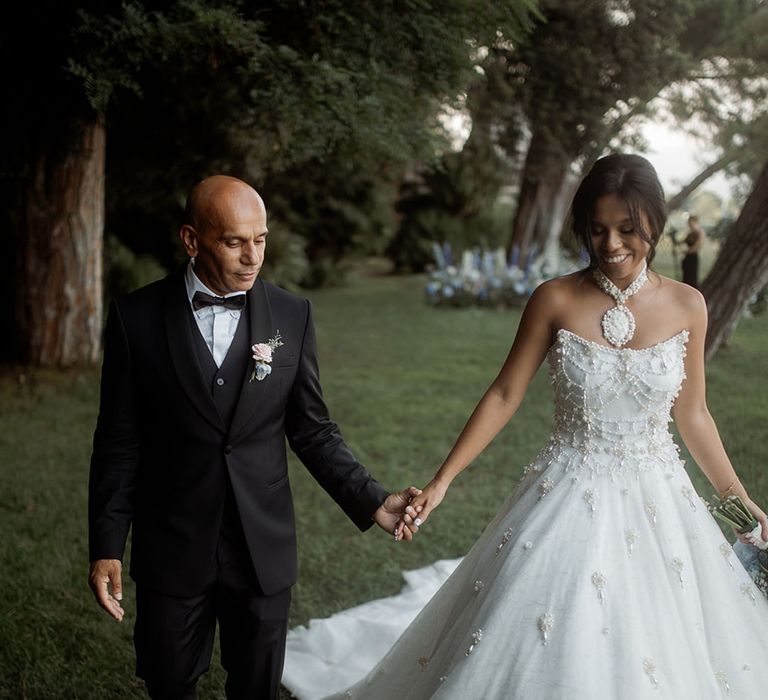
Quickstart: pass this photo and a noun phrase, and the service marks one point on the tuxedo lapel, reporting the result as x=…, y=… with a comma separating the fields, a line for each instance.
x=261, y=330
x=178, y=331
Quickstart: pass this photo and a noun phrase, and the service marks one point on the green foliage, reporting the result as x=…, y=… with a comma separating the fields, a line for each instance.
x=759, y=303
x=427, y=218
x=590, y=64
x=320, y=105
x=341, y=213
x=286, y=261
x=561, y=94
x=724, y=99
x=298, y=97
x=452, y=199
x=400, y=420
x=125, y=271
x=99, y=38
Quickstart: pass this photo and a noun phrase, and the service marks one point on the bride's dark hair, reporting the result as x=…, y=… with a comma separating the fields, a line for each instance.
x=633, y=179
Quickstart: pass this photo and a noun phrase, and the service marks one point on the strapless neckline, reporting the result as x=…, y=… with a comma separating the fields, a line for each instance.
x=683, y=334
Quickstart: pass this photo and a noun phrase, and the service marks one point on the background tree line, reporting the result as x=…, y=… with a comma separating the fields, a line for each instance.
x=333, y=111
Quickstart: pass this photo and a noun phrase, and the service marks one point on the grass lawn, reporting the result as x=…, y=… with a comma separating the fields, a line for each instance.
x=400, y=379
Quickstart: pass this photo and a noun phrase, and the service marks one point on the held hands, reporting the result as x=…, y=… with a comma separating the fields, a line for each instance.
x=392, y=514
x=423, y=504
x=101, y=574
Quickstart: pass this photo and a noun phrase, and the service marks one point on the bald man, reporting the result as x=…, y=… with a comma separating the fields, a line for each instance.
x=205, y=375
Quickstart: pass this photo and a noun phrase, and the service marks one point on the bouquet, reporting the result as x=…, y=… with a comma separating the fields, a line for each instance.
x=732, y=510
x=754, y=554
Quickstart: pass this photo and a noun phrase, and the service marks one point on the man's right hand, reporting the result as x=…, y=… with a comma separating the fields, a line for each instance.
x=102, y=574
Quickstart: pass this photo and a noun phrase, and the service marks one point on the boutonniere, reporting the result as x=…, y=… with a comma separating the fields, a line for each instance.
x=262, y=357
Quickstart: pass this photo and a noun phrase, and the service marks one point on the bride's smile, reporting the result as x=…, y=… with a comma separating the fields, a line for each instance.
x=620, y=247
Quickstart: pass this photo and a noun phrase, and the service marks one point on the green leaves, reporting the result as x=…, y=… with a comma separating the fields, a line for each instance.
x=299, y=97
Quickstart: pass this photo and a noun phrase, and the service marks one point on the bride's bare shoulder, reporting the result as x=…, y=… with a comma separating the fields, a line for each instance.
x=679, y=291
x=561, y=287
x=554, y=297
x=683, y=299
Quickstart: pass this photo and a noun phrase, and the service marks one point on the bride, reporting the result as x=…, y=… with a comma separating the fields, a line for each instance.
x=603, y=575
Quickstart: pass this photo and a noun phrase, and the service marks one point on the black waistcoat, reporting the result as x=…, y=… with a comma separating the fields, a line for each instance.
x=224, y=384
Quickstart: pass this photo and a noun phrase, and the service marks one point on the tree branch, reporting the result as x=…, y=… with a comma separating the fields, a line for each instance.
x=678, y=200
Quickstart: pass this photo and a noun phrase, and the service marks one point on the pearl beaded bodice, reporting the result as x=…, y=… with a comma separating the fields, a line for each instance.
x=612, y=405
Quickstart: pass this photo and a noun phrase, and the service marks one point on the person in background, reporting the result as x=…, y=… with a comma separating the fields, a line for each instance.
x=694, y=240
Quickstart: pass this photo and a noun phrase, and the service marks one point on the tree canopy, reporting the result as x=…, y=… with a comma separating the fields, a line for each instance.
x=583, y=80
x=301, y=98
x=309, y=101
x=333, y=111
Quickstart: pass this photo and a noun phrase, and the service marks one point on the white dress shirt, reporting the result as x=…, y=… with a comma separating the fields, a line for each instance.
x=217, y=324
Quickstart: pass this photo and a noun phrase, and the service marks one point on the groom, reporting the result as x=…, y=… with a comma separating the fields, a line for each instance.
x=189, y=451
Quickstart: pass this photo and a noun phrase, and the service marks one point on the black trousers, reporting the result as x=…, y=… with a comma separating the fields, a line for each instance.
x=691, y=269
x=174, y=636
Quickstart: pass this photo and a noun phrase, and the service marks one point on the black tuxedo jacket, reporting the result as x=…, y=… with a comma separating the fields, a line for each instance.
x=162, y=454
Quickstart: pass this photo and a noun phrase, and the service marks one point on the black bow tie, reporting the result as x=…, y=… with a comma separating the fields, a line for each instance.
x=201, y=300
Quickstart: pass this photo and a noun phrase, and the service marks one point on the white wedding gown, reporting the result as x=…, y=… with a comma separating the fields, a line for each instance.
x=602, y=577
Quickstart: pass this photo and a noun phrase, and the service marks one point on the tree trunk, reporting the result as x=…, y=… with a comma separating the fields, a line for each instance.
x=60, y=220
x=741, y=268
x=537, y=219
x=678, y=200
x=560, y=237
x=525, y=217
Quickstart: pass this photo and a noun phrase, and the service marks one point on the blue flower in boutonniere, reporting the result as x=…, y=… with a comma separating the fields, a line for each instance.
x=262, y=356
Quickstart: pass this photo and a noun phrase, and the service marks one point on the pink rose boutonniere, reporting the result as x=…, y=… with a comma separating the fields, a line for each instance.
x=262, y=357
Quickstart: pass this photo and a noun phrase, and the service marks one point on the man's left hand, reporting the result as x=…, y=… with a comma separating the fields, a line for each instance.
x=397, y=507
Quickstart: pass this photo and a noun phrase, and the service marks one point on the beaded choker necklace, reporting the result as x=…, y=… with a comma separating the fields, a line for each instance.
x=618, y=323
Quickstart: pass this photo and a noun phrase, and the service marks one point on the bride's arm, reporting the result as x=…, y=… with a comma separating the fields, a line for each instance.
x=502, y=398
x=694, y=421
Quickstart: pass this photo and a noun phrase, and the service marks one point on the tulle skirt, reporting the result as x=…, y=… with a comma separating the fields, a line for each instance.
x=586, y=585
